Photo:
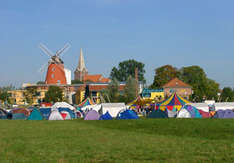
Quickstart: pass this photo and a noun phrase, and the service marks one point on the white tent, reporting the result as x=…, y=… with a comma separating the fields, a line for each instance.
x=183, y=113
x=55, y=115
x=62, y=105
x=218, y=106
x=112, y=108
x=67, y=115
x=201, y=106
x=95, y=107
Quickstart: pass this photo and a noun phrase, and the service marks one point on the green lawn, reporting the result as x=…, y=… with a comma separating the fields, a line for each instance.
x=144, y=140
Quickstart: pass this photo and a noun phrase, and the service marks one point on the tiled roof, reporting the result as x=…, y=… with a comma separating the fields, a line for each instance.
x=101, y=87
x=176, y=83
x=98, y=78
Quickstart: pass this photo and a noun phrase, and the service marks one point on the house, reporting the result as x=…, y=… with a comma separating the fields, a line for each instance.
x=178, y=86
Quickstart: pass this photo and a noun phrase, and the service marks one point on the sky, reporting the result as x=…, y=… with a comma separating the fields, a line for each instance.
x=155, y=32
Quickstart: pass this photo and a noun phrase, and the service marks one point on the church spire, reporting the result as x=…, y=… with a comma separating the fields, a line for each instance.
x=81, y=63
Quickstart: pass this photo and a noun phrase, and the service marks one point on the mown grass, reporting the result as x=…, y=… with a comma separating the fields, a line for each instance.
x=144, y=140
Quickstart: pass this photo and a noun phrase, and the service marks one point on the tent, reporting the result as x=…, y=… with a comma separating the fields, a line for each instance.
x=127, y=114
x=157, y=114
x=86, y=102
x=224, y=114
x=112, y=108
x=71, y=112
x=106, y=116
x=140, y=101
x=45, y=112
x=63, y=105
x=79, y=114
x=189, y=111
x=18, y=116
x=92, y=115
x=173, y=101
x=65, y=115
x=3, y=114
x=172, y=113
x=35, y=115
x=26, y=112
x=55, y=115
x=204, y=114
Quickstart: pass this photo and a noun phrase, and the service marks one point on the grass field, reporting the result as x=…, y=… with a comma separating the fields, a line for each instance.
x=144, y=140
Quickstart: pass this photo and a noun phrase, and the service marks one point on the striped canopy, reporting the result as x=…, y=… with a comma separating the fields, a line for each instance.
x=174, y=101
x=140, y=102
x=86, y=102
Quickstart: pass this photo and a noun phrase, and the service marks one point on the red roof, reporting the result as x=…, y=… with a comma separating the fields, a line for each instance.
x=101, y=87
x=98, y=78
x=174, y=83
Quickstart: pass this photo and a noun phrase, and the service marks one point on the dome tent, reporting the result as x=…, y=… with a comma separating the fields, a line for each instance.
x=189, y=111
x=106, y=116
x=71, y=112
x=55, y=115
x=3, y=114
x=45, y=112
x=35, y=115
x=65, y=115
x=224, y=114
x=127, y=114
x=92, y=115
x=157, y=114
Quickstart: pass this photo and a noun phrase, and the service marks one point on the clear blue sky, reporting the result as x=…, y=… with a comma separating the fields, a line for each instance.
x=155, y=32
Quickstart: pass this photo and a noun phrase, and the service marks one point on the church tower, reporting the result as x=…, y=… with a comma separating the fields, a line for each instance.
x=81, y=70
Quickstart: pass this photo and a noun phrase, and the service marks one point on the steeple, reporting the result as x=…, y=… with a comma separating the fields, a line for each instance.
x=81, y=63
x=81, y=70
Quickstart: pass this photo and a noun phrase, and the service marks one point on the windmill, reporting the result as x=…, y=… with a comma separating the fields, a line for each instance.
x=56, y=73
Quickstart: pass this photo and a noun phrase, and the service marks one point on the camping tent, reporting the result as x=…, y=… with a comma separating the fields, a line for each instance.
x=63, y=105
x=127, y=114
x=18, y=116
x=35, y=115
x=55, y=115
x=204, y=114
x=106, y=116
x=71, y=112
x=26, y=112
x=173, y=101
x=224, y=114
x=65, y=115
x=3, y=114
x=79, y=114
x=189, y=111
x=172, y=113
x=112, y=108
x=92, y=115
x=45, y=112
x=157, y=114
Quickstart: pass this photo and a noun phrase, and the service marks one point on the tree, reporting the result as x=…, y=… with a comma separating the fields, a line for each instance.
x=126, y=69
x=203, y=87
x=40, y=82
x=130, y=89
x=76, y=82
x=227, y=94
x=29, y=94
x=111, y=93
x=54, y=94
x=163, y=75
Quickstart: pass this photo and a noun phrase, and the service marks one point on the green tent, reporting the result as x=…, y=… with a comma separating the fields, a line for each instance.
x=35, y=115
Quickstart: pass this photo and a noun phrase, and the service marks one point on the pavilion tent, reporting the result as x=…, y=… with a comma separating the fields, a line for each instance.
x=157, y=114
x=86, y=102
x=112, y=108
x=139, y=102
x=174, y=101
x=45, y=112
x=92, y=115
x=127, y=114
x=106, y=116
x=35, y=115
x=189, y=111
x=55, y=115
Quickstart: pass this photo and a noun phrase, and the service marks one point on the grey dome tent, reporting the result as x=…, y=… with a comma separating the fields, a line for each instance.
x=157, y=114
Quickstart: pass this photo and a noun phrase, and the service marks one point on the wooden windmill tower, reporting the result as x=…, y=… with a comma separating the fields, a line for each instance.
x=56, y=73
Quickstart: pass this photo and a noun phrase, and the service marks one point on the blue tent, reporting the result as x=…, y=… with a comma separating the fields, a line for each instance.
x=45, y=112
x=224, y=114
x=157, y=114
x=19, y=116
x=35, y=115
x=127, y=114
x=72, y=114
x=106, y=116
